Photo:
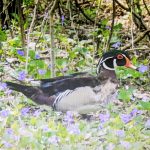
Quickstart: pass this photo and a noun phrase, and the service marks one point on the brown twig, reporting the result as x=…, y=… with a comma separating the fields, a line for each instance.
x=139, y=38
x=146, y=7
x=21, y=22
x=132, y=24
x=53, y=7
x=80, y=9
x=52, y=52
x=112, y=25
x=5, y=7
x=137, y=16
x=42, y=24
x=28, y=36
x=139, y=49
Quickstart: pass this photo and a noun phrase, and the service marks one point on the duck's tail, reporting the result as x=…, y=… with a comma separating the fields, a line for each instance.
x=32, y=92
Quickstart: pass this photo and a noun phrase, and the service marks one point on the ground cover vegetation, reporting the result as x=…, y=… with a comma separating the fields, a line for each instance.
x=42, y=39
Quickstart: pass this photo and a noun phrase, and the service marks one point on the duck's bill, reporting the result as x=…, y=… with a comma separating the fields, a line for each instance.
x=129, y=64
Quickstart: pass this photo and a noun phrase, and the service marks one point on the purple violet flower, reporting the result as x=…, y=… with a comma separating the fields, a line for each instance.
x=9, y=131
x=41, y=71
x=120, y=133
x=134, y=112
x=54, y=140
x=125, y=144
x=73, y=129
x=126, y=118
x=8, y=91
x=37, y=113
x=21, y=75
x=143, y=68
x=3, y=86
x=4, y=113
x=24, y=111
x=7, y=144
x=100, y=127
x=65, y=69
x=104, y=117
x=110, y=146
x=145, y=98
x=49, y=66
x=37, y=56
x=108, y=27
x=116, y=45
x=45, y=128
x=20, y=52
x=147, y=124
x=132, y=98
x=68, y=118
x=62, y=19
x=16, y=138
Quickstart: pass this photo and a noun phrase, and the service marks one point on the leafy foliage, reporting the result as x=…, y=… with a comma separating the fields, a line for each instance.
x=144, y=105
x=125, y=94
x=78, y=42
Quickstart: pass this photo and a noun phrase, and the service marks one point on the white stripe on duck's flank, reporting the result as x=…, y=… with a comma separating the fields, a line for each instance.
x=79, y=97
x=84, y=99
x=60, y=96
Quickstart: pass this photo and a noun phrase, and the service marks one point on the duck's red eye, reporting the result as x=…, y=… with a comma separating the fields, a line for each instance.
x=119, y=56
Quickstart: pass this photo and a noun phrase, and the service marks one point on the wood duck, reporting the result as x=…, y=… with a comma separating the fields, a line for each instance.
x=79, y=92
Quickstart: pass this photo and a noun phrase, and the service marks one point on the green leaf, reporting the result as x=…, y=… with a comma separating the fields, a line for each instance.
x=3, y=36
x=32, y=54
x=145, y=105
x=124, y=73
x=125, y=94
x=105, y=33
x=40, y=64
x=118, y=26
x=15, y=42
x=104, y=21
x=61, y=62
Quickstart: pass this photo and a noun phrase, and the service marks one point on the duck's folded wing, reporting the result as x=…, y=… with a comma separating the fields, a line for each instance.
x=48, y=82
x=70, y=84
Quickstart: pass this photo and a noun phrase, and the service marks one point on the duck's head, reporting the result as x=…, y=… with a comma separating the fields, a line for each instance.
x=114, y=58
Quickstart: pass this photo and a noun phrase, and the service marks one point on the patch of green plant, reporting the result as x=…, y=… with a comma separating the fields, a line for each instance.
x=144, y=105
x=3, y=35
x=125, y=73
x=125, y=94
